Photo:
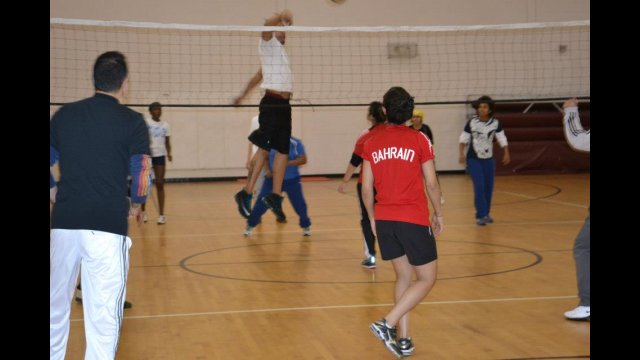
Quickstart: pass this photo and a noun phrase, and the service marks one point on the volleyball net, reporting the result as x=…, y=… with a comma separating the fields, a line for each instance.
x=208, y=66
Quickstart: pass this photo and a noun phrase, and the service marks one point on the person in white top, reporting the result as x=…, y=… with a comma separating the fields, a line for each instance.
x=580, y=139
x=275, y=115
x=159, y=133
x=477, y=140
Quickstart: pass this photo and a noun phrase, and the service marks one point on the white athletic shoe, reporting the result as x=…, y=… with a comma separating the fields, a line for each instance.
x=579, y=313
x=248, y=231
x=145, y=218
x=161, y=220
x=306, y=231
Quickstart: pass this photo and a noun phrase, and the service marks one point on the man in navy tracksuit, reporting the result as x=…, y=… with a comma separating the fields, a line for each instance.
x=291, y=185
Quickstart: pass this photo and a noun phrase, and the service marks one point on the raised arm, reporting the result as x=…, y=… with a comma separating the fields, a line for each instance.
x=577, y=137
x=283, y=18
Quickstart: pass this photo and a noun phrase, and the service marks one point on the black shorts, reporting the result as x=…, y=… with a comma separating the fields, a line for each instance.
x=397, y=238
x=275, y=125
x=158, y=160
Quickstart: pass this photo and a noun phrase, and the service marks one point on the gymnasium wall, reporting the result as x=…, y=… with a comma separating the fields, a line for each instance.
x=212, y=142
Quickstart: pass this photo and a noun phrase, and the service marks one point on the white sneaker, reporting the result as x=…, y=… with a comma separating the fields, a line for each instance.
x=161, y=219
x=306, y=231
x=248, y=231
x=579, y=313
x=145, y=218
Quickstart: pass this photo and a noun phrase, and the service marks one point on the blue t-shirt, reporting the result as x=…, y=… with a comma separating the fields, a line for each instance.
x=295, y=149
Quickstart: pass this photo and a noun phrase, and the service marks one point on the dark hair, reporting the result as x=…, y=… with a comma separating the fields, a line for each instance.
x=154, y=104
x=109, y=71
x=484, y=99
x=399, y=105
x=375, y=110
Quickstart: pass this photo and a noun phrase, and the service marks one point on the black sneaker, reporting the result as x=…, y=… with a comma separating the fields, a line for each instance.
x=406, y=346
x=388, y=335
x=274, y=202
x=127, y=305
x=241, y=198
x=78, y=294
x=369, y=263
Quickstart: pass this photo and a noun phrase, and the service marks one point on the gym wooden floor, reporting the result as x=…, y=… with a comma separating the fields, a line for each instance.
x=201, y=290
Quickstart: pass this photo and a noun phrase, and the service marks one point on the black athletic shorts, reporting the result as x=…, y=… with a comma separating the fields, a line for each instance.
x=275, y=124
x=158, y=160
x=397, y=238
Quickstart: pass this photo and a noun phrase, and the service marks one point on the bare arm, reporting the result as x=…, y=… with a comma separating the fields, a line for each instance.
x=461, y=157
x=435, y=195
x=347, y=176
x=255, y=80
x=284, y=18
x=167, y=144
x=299, y=161
x=367, y=193
x=506, y=158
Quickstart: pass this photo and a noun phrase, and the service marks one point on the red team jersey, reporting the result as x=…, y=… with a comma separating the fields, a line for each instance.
x=359, y=148
x=396, y=154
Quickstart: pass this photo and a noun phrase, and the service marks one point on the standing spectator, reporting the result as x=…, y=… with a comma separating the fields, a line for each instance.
x=477, y=138
x=98, y=142
x=580, y=139
x=417, y=122
x=159, y=133
x=375, y=115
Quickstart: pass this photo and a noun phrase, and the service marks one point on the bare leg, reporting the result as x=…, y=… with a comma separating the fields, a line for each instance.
x=260, y=159
x=159, y=171
x=426, y=278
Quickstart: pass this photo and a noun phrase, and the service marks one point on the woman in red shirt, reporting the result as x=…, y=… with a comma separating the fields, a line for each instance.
x=398, y=162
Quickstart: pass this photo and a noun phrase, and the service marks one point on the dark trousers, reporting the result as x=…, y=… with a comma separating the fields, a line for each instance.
x=483, y=173
x=369, y=239
x=582, y=256
x=293, y=188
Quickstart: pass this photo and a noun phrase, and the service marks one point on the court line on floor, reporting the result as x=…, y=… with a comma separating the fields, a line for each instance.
x=316, y=230
x=545, y=200
x=332, y=307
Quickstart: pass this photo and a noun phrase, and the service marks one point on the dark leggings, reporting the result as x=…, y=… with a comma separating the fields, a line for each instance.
x=369, y=239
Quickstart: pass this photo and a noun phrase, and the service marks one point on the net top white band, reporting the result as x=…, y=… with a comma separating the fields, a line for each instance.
x=152, y=25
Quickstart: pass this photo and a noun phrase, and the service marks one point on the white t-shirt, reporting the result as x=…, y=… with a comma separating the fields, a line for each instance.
x=158, y=131
x=276, y=71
